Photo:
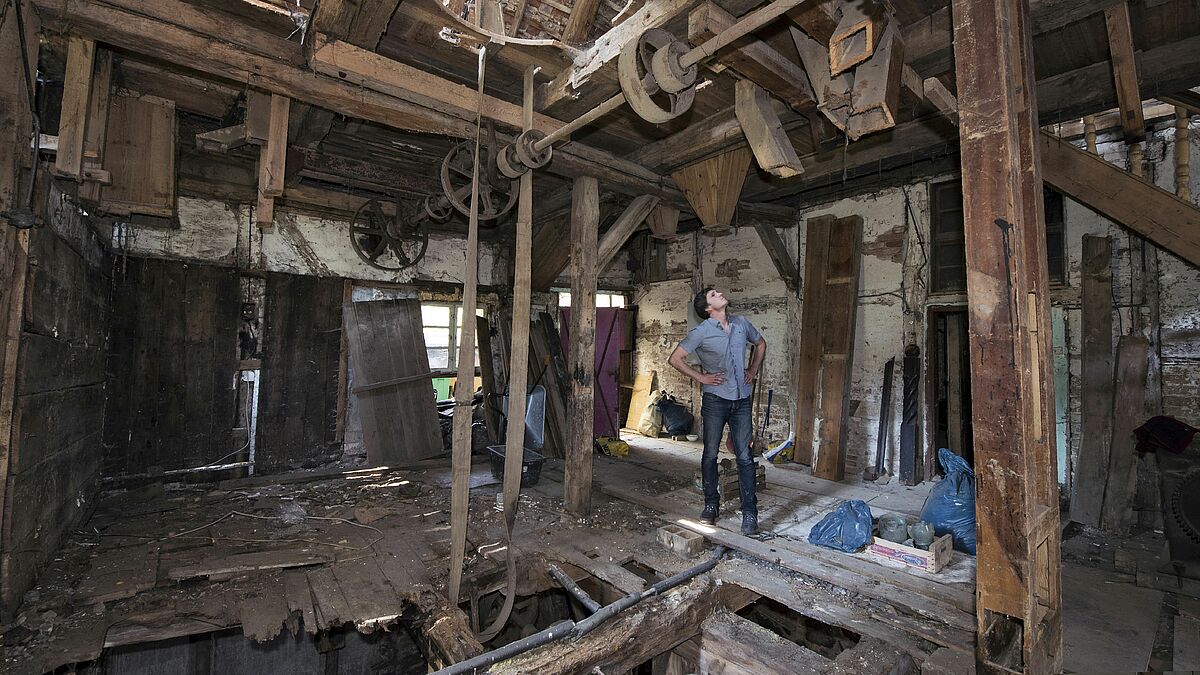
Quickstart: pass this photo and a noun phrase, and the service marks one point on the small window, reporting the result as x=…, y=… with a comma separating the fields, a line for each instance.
x=442, y=324
x=602, y=299
x=948, y=261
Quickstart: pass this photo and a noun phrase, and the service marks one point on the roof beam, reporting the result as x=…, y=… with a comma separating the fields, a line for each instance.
x=1120, y=47
x=583, y=14
x=1186, y=99
x=753, y=59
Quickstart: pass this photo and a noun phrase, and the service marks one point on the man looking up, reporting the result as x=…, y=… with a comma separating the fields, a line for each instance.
x=720, y=341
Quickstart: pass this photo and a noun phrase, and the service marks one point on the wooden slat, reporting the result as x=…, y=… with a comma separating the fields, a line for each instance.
x=77, y=91
x=839, y=311
x=1124, y=66
x=808, y=364
x=1153, y=213
x=643, y=386
x=585, y=219
x=387, y=342
x=1129, y=396
x=1096, y=385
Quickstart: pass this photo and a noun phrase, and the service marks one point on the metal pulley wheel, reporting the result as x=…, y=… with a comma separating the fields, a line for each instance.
x=497, y=194
x=649, y=67
x=436, y=208
x=373, y=234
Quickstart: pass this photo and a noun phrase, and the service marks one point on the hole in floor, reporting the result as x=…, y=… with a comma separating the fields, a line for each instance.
x=824, y=639
x=530, y=613
x=646, y=573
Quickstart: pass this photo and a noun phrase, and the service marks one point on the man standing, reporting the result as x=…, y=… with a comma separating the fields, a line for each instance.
x=720, y=342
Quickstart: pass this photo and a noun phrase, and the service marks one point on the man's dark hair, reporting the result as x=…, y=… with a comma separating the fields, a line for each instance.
x=700, y=303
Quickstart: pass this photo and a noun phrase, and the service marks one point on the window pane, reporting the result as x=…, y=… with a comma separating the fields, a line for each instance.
x=564, y=299
x=618, y=301
x=437, y=337
x=435, y=315
x=438, y=358
x=602, y=300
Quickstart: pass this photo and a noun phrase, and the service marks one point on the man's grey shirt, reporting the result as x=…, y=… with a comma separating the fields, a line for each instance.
x=723, y=353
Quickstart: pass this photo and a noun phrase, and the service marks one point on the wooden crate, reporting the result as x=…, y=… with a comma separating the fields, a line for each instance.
x=932, y=560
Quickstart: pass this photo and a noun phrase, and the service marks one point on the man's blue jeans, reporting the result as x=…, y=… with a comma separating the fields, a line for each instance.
x=716, y=413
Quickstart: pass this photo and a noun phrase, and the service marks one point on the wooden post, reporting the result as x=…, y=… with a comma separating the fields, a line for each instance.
x=1133, y=361
x=585, y=220
x=1097, y=382
x=1183, y=148
x=1089, y=133
x=97, y=129
x=1018, y=564
x=72, y=122
x=808, y=356
x=271, y=161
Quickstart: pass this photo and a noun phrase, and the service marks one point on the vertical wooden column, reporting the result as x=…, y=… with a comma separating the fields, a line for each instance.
x=585, y=223
x=72, y=122
x=1017, y=579
x=1183, y=147
x=1097, y=380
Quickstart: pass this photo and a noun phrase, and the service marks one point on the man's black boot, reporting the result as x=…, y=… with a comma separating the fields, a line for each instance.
x=709, y=515
x=749, y=522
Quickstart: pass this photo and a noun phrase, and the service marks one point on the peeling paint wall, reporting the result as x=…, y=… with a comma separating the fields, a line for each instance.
x=222, y=234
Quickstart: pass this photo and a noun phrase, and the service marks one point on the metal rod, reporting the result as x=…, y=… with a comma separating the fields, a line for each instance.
x=573, y=588
x=748, y=24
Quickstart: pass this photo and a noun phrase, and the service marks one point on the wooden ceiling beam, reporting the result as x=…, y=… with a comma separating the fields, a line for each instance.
x=1124, y=66
x=753, y=59
x=358, y=22
x=583, y=14
x=1186, y=99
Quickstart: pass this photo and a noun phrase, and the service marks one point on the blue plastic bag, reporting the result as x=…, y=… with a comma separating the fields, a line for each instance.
x=950, y=506
x=847, y=528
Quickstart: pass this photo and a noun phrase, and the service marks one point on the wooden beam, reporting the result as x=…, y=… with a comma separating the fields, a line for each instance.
x=579, y=22
x=379, y=73
x=1120, y=47
x=72, y=121
x=808, y=354
x=1096, y=385
x=753, y=59
x=733, y=645
x=778, y=252
x=1183, y=183
x=358, y=22
x=818, y=19
x=710, y=136
x=223, y=139
x=764, y=131
x=1018, y=608
x=875, y=96
x=272, y=160
x=585, y=222
x=97, y=126
x=1151, y=212
x=619, y=232
x=1187, y=99
x=1129, y=397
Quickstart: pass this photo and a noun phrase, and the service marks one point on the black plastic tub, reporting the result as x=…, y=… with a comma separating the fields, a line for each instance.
x=531, y=465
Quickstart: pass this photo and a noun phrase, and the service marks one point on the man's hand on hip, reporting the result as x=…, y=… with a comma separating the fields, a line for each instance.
x=712, y=379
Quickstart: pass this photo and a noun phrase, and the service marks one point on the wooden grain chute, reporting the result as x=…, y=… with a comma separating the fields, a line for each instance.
x=712, y=186
x=831, y=91
x=875, y=98
x=663, y=222
x=764, y=132
x=858, y=34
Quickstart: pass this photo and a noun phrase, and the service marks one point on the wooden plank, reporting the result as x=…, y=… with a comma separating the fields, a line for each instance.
x=619, y=232
x=764, y=132
x=77, y=91
x=386, y=342
x=97, y=125
x=585, y=219
x=808, y=364
x=733, y=645
x=359, y=22
x=580, y=21
x=329, y=603
x=487, y=373
x=139, y=152
x=299, y=600
x=755, y=60
x=957, y=374
x=373, y=602
x=1129, y=395
x=1151, y=212
x=1124, y=66
x=838, y=320
x=643, y=386
x=1096, y=384
x=1017, y=583
x=239, y=563
x=264, y=611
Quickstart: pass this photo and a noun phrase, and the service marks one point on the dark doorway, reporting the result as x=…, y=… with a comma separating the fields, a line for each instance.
x=949, y=384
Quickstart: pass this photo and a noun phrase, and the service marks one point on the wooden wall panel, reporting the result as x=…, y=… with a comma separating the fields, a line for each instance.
x=55, y=449
x=139, y=152
x=302, y=346
x=171, y=366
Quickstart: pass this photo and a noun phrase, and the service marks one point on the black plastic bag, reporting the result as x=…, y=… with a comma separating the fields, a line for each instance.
x=950, y=506
x=677, y=420
x=846, y=528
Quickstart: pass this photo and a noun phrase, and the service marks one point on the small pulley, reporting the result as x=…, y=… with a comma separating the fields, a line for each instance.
x=655, y=82
x=522, y=155
x=373, y=234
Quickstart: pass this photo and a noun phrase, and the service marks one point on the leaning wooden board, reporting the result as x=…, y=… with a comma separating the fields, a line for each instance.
x=400, y=422
x=643, y=386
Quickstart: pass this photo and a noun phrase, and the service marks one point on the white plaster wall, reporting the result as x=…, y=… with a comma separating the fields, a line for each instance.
x=215, y=232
